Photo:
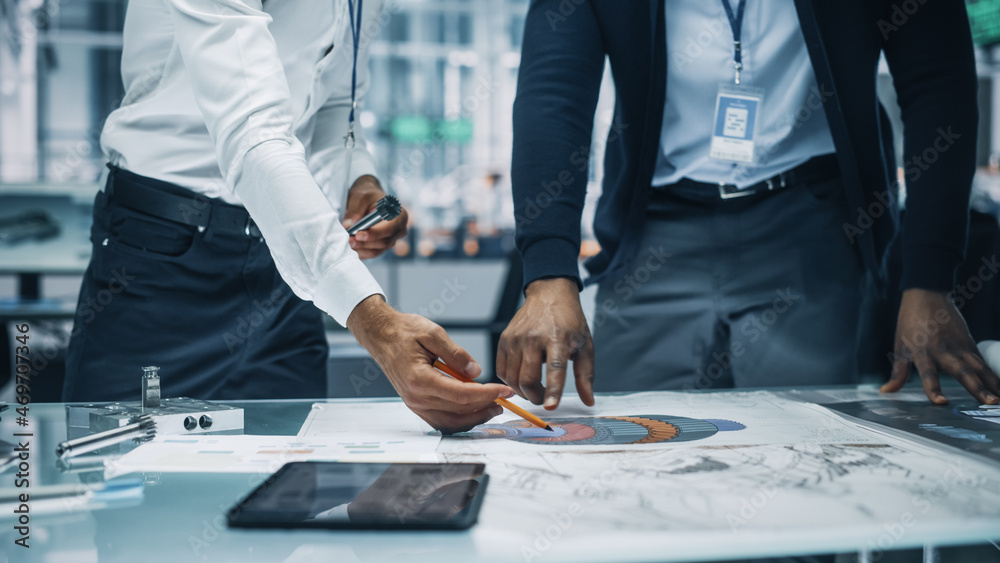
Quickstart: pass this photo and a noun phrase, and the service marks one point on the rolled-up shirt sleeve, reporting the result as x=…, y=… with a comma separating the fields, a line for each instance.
x=241, y=90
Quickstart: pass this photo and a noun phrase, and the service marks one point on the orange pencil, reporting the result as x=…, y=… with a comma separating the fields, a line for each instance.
x=500, y=400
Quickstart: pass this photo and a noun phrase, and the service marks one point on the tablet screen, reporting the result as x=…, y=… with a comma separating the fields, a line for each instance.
x=366, y=495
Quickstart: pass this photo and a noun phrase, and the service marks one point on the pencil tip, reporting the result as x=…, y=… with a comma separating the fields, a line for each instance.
x=549, y=428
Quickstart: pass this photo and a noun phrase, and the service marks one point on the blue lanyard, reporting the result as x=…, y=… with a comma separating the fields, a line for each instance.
x=736, y=24
x=356, y=37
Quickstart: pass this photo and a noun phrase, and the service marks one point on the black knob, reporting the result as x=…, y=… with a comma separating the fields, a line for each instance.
x=205, y=421
x=190, y=423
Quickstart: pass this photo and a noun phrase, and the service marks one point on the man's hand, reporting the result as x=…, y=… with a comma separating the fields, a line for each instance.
x=361, y=200
x=549, y=328
x=931, y=335
x=405, y=346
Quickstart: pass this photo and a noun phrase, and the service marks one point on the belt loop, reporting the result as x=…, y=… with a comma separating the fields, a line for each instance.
x=251, y=230
x=103, y=198
x=209, y=227
x=109, y=186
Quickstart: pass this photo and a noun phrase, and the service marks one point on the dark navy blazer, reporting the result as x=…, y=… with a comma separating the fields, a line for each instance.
x=927, y=44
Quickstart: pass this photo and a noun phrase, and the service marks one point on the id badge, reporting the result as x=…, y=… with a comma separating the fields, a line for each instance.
x=736, y=109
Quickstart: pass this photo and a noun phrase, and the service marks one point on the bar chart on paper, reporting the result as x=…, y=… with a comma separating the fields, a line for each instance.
x=265, y=454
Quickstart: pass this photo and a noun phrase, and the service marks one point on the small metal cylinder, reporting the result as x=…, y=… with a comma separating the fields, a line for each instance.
x=150, y=387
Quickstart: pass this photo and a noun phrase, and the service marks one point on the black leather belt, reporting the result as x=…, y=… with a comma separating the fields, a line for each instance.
x=813, y=170
x=180, y=205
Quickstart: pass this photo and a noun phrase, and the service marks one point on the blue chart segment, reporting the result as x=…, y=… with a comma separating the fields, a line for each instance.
x=608, y=430
x=726, y=425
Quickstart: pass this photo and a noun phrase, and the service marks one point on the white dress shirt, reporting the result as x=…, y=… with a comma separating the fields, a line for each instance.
x=791, y=126
x=251, y=105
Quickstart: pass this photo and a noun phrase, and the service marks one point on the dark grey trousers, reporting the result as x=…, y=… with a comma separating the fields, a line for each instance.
x=763, y=290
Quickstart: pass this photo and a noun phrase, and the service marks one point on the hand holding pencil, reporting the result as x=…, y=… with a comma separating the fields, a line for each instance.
x=405, y=347
x=500, y=400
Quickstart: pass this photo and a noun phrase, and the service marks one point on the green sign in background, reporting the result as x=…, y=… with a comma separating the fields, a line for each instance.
x=419, y=129
x=984, y=16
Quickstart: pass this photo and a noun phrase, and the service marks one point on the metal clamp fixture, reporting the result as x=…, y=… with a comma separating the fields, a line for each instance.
x=172, y=415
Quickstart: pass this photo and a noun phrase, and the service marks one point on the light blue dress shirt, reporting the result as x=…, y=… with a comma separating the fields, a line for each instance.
x=791, y=128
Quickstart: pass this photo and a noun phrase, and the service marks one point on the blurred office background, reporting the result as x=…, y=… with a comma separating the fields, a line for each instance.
x=437, y=118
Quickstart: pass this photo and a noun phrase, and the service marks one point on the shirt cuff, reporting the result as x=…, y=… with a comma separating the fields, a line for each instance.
x=551, y=258
x=345, y=285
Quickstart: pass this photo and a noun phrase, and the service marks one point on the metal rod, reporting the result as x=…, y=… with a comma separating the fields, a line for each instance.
x=387, y=209
x=141, y=429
